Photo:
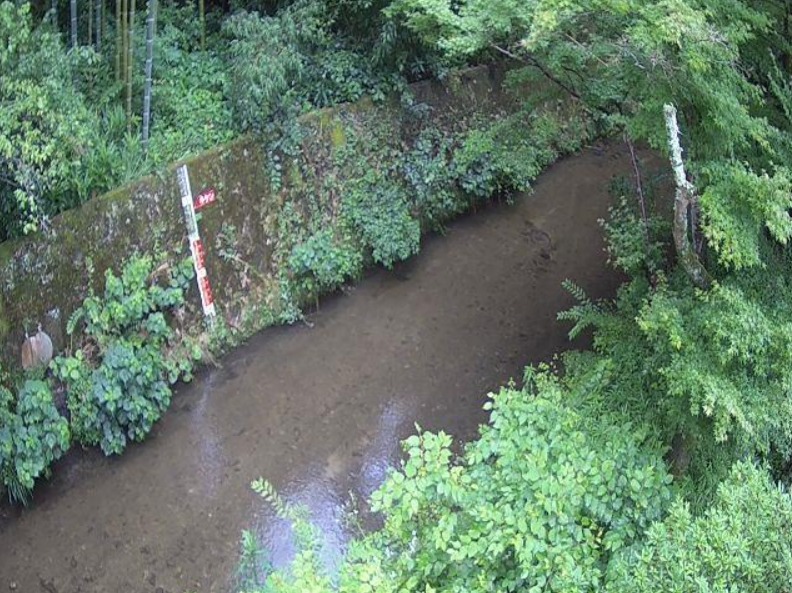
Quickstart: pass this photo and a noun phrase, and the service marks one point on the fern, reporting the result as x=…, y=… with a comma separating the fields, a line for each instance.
x=267, y=491
x=74, y=319
x=585, y=314
x=577, y=292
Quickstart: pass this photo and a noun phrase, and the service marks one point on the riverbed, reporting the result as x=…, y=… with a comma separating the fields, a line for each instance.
x=319, y=408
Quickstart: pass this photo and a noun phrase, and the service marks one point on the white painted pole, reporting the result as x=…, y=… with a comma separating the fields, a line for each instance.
x=196, y=245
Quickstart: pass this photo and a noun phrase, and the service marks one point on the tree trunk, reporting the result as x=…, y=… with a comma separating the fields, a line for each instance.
x=90, y=22
x=130, y=63
x=54, y=9
x=73, y=11
x=150, y=23
x=685, y=199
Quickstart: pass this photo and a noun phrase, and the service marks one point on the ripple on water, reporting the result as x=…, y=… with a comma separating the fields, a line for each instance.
x=334, y=491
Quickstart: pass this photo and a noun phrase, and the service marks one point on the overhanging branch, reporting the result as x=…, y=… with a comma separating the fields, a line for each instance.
x=532, y=61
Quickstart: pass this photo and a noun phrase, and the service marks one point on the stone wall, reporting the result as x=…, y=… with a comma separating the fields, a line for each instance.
x=44, y=277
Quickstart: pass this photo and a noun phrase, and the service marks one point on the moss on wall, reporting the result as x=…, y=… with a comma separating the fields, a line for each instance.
x=44, y=277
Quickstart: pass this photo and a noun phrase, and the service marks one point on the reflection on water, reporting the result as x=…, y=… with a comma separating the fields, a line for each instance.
x=385, y=448
x=332, y=492
x=209, y=460
x=326, y=507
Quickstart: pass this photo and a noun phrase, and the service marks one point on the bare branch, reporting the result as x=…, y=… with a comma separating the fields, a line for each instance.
x=532, y=61
x=638, y=187
x=585, y=49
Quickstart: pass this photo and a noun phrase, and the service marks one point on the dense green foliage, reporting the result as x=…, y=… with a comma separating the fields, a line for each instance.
x=43, y=125
x=70, y=123
x=741, y=540
x=118, y=384
x=539, y=501
x=313, y=67
x=32, y=435
x=687, y=364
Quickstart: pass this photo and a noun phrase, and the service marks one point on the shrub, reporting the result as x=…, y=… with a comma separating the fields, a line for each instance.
x=32, y=435
x=430, y=180
x=540, y=502
x=379, y=211
x=122, y=385
x=742, y=543
x=325, y=260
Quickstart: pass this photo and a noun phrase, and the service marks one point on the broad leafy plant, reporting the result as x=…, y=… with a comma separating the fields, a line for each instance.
x=430, y=179
x=119, y=382
x=540, y=502
x=378, y=208
x=32, y=436
x=741, y=543
x=326, y=261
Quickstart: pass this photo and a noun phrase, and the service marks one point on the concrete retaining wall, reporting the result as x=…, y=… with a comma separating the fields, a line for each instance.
x=44, y=277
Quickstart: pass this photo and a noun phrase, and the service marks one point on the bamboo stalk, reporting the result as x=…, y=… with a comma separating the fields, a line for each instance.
x=90, y=22
x=124, y=53
x=73, y=15
x=202, y=15
x=150, y=25
x=118, y=41
x=98, y=10
x=130, y=63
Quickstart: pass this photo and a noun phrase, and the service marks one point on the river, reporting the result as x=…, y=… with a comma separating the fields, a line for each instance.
x=319, y=408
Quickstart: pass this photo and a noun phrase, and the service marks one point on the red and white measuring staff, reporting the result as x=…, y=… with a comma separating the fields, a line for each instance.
x=196, y=245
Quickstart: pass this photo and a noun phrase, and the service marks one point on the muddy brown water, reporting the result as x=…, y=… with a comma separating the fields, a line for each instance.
x=320, y=410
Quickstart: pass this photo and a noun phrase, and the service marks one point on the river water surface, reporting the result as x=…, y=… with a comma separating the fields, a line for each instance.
x=320, y=410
